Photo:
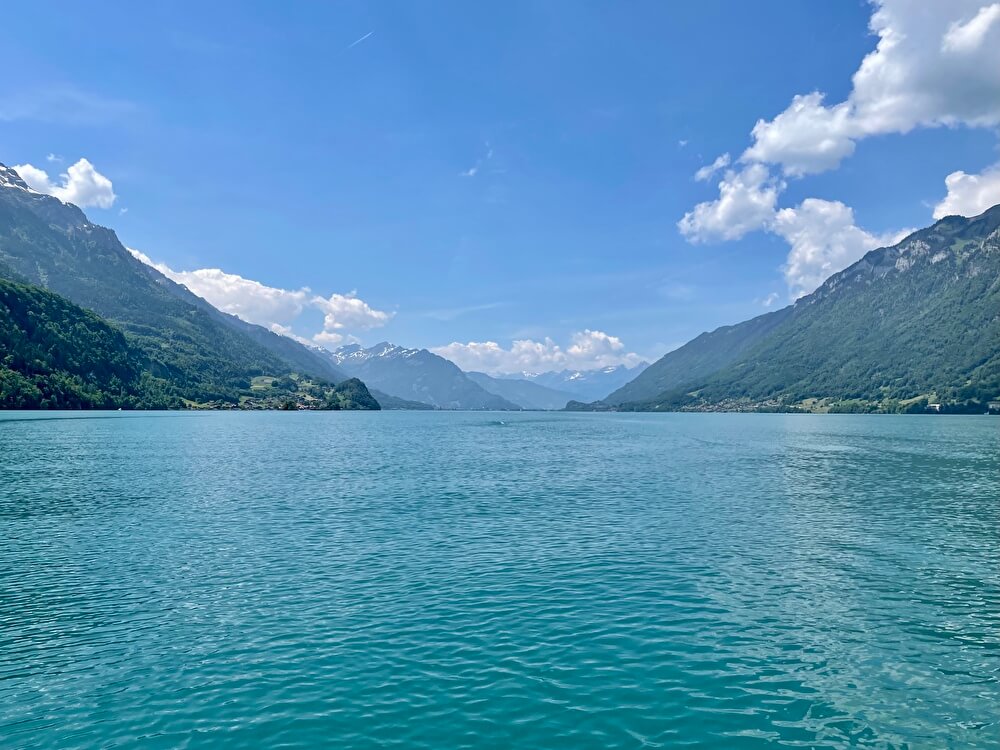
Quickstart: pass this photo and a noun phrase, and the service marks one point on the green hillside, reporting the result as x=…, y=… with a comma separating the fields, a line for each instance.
x=700, y=357
x=914, y=323
x=56, y=355
x=205, y=353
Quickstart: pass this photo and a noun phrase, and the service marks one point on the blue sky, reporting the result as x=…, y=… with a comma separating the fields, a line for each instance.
x=492, y=172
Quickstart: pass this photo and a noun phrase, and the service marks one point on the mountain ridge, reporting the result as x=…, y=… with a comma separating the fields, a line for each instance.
x=208, y=355
x=904, y=325
x=416, y=375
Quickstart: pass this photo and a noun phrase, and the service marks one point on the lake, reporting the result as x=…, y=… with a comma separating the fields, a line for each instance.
x=459, y=580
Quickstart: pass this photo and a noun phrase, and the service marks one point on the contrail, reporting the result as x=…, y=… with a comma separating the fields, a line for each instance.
x=356, y=42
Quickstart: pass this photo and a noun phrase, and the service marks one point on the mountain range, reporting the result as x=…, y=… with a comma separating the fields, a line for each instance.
x=905, y=327
x=187, y=348
x=525, y=393
x=84, y=324
x=582, y=384
x=424, y=378
x=416, y=375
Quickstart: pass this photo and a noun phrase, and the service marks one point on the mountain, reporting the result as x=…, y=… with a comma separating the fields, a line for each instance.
x=700, y=357
x=205, y=353
x=416, y=375
x=393, y=403
x=587, y=385
x=524, y=393
x=56, y=355
x=914, y=323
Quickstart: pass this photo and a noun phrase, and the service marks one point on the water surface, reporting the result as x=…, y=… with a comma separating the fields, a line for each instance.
x=459, y=580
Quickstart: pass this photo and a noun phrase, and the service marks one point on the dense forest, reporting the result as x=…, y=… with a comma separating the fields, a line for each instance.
x=56, y=355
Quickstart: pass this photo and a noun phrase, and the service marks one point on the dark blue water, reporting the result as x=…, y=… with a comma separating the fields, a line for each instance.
x=447, y=580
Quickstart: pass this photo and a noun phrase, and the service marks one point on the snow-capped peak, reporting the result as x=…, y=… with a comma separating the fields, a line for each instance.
x=9, y=178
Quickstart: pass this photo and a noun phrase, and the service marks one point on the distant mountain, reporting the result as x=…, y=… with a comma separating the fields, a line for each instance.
x=914, y=323
x=393, y=403
x=205, y=354
x=524, y=393
x=416, y=375
x=586, y=385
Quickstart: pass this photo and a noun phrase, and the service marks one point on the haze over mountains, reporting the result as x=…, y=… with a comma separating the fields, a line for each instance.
x=421, y=376
x=417, y=375
x=583, y=384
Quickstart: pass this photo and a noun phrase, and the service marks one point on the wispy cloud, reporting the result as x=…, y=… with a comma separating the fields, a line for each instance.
x=474, y=169
x=65, y=104
x=358, y=41
x=453, y=313
x=769, y=299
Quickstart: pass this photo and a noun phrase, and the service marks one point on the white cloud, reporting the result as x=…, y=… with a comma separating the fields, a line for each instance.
x=82, y=185
x=936, y=63
x=273, y=307
x=770, y=299
x=824, y=240
x=710, y=169
x=806, y=138
x=287, y=331
x=970, y=194
x=347, y=311
x=746, y=203
x=587, y=350
x=328, y=339
x=967, y=37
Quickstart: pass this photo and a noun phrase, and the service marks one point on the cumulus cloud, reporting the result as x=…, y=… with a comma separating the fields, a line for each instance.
x=245, y=298
x=81, y=184
x=807, y=137
x=587, y=350
x=936, y=63
x=328, y=339
x=824, y=239
x=710, y=169
x=968, y=37
x=273, y=307
x=746, y=203
x=970, y=194
x=347, y=311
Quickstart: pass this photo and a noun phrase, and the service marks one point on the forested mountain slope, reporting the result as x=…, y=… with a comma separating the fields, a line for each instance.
x=916, y=321
x=206, y=353
x=56, y=355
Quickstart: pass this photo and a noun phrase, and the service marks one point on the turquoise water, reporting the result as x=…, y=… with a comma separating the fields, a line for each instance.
x=448, y=580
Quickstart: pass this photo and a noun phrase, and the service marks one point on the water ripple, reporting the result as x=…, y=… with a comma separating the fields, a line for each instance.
x=447, y=581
